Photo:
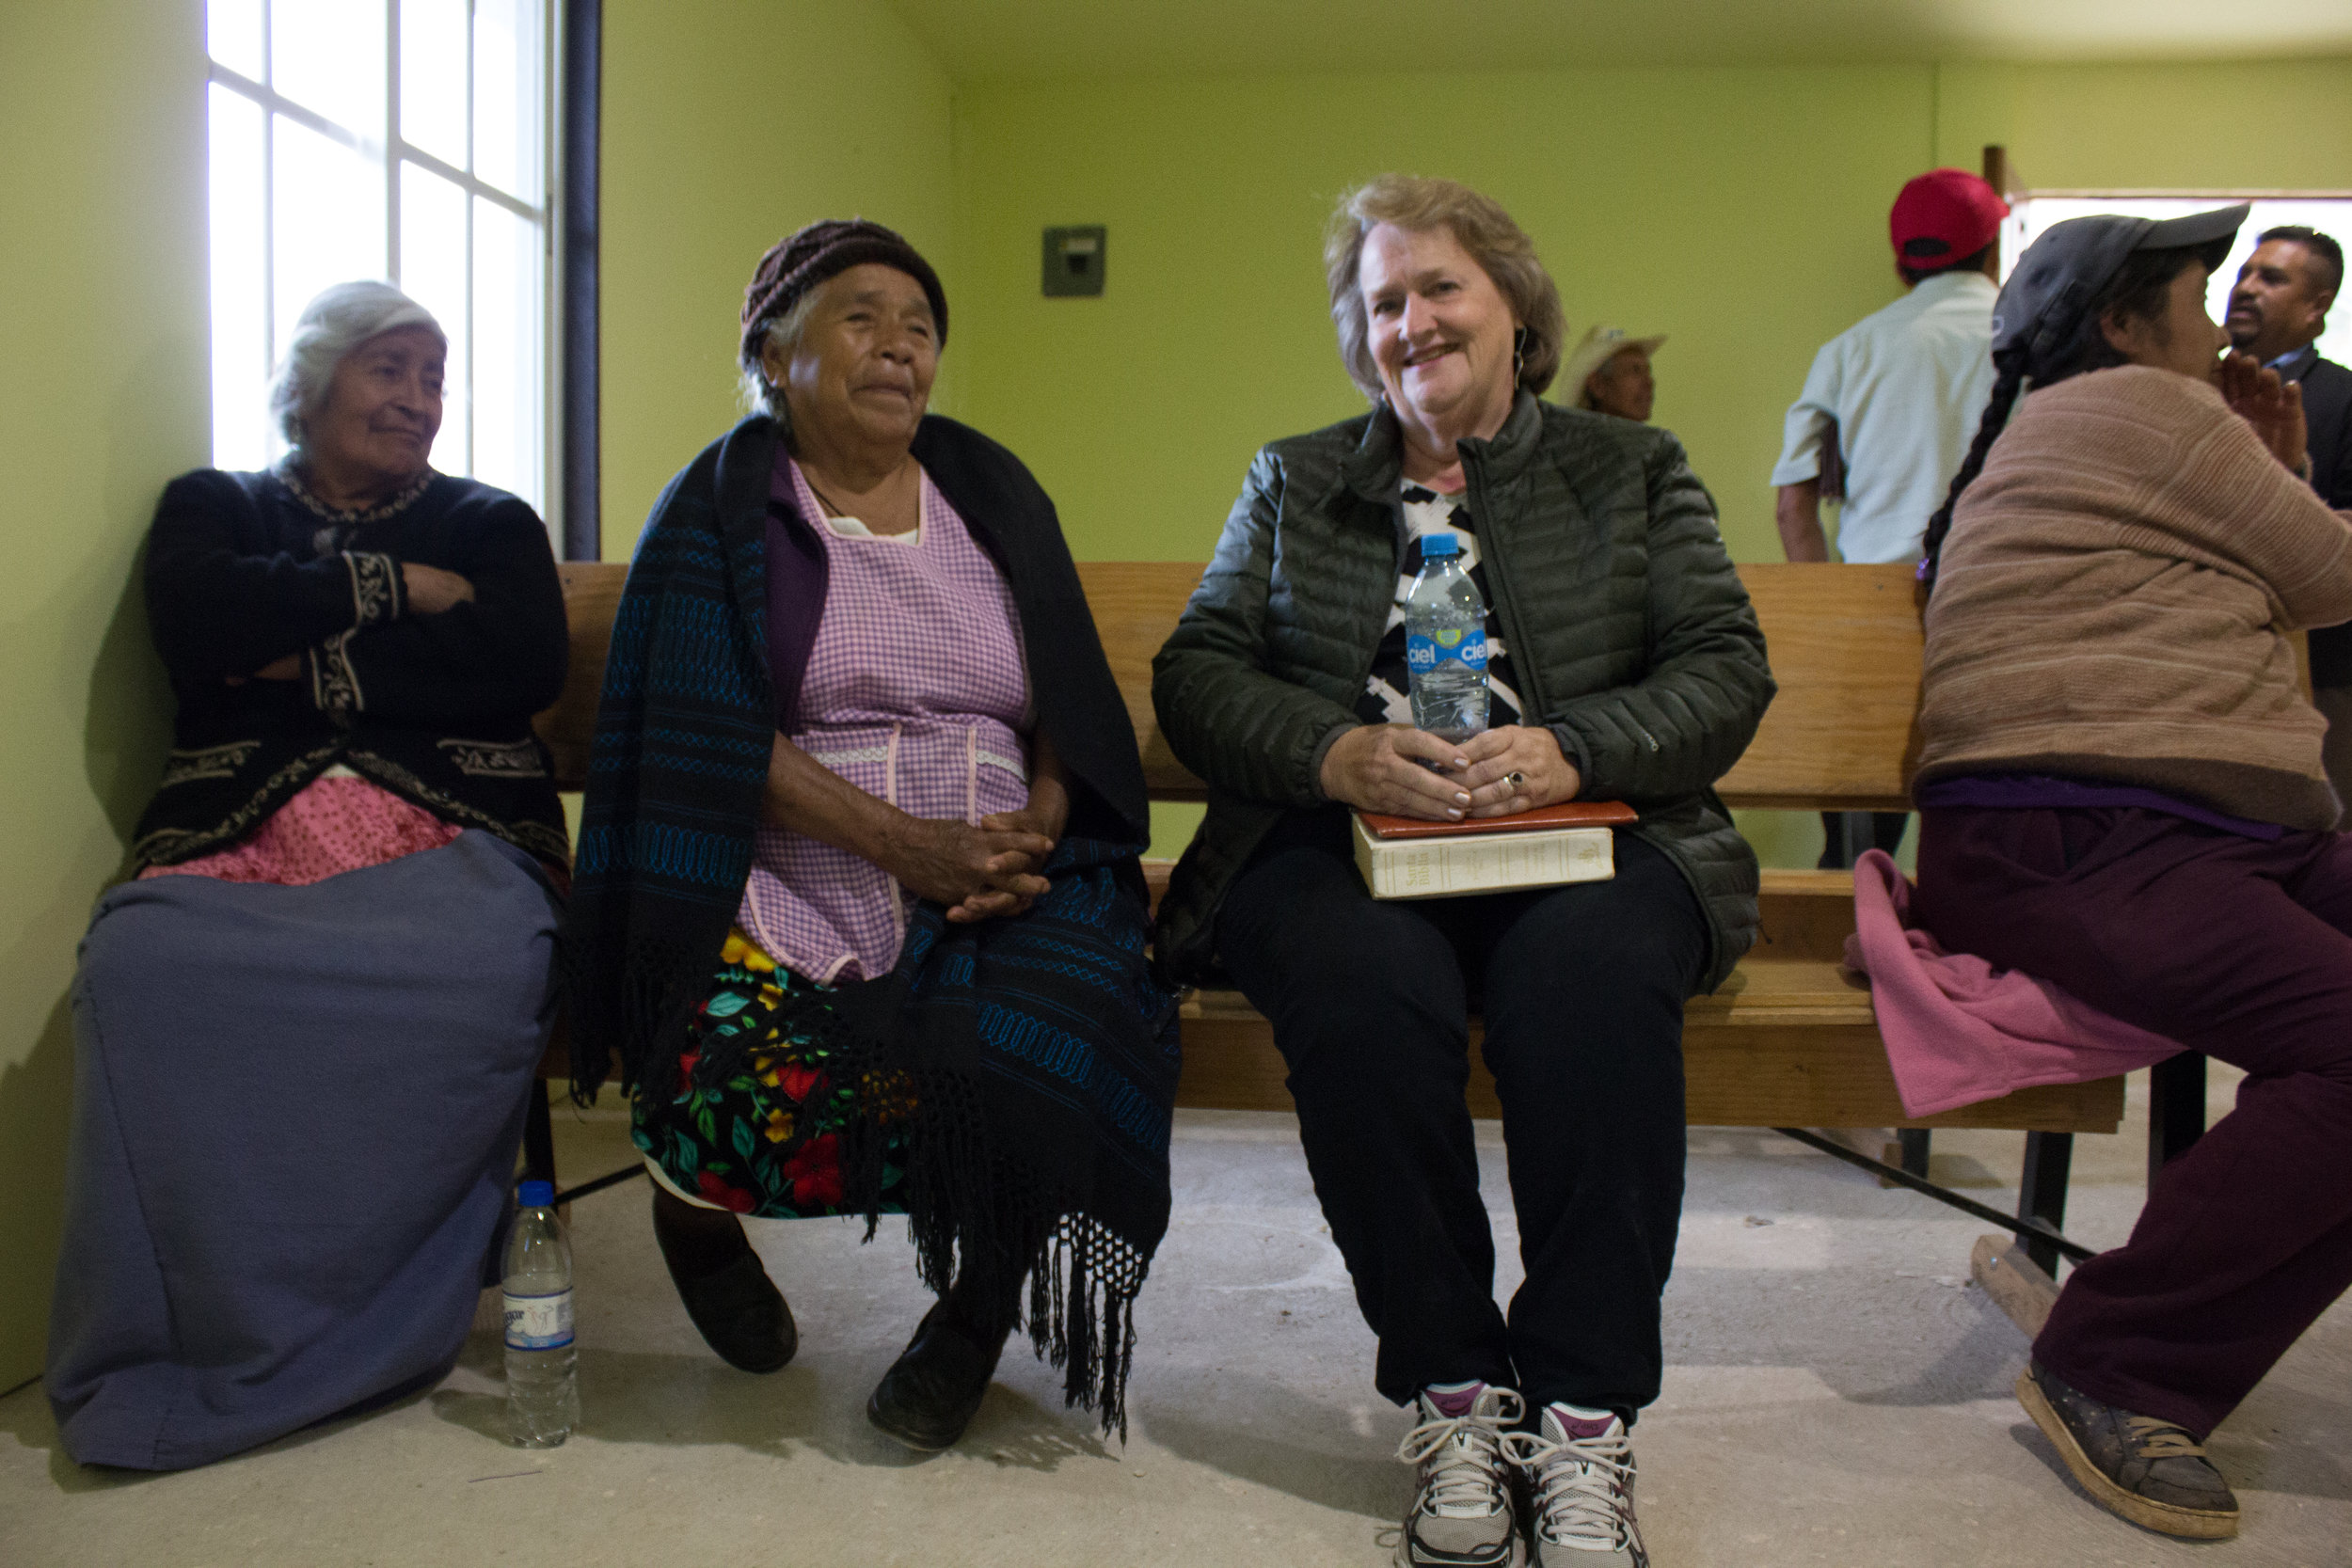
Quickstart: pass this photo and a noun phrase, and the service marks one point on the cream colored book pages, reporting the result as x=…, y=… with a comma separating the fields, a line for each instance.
x=1483, y=862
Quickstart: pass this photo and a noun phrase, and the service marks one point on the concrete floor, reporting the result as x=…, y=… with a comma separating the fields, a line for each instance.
x=1837, y=1392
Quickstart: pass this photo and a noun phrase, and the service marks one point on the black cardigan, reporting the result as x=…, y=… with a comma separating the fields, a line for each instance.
x=243, y=569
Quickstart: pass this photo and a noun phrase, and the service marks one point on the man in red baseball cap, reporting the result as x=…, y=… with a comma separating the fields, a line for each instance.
x=1945, y=219
x=1890, y=408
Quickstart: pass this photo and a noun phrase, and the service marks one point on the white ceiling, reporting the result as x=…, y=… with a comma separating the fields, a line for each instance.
x=981, y=39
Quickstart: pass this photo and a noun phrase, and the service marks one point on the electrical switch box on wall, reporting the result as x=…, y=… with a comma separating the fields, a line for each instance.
x=1073, y=259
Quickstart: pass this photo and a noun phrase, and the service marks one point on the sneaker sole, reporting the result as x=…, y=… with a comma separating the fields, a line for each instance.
x=2196, y=1523
x=1403, y=1555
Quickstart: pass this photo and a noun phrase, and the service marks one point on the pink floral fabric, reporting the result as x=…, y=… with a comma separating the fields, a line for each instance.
x=336, y=823
x=917, y=693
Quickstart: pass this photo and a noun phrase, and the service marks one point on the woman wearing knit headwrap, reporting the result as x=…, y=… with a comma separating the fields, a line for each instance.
x=305, y=1031
x=859, y=908
x=2121, y=794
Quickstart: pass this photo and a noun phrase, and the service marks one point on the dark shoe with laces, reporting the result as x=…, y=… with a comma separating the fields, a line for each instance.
x=934, y=1389
x=736, y=1306
x=2142, y=1468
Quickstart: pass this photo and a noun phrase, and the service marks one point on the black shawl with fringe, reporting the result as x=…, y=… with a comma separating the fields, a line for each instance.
x=1041, y=1054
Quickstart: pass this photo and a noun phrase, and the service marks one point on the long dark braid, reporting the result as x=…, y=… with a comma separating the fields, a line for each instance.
x=2136, y=293
x=2009, y=379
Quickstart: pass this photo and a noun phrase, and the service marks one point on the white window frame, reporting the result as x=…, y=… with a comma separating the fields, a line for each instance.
x=388, y=154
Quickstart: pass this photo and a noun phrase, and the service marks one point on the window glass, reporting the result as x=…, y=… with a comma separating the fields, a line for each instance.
x=432, y=273
x=240, y=284
x=319, y=175
x=232, y=34
x=433, y=95
x=508, y=61
x=506, y=325
x=326, y=218
x=327, y=55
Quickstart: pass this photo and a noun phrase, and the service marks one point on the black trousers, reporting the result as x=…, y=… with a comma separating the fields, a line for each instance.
x=1582, y=989
x=1887, y=833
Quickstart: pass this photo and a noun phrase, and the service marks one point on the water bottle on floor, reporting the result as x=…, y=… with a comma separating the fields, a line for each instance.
x=542, y=1382
x=1445, y=643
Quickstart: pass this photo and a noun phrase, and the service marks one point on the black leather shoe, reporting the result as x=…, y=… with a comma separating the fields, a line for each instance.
x=932, y=1390
x=737, y=1309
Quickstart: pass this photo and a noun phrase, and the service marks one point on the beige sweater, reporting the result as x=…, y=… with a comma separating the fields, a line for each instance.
x=2114, y=597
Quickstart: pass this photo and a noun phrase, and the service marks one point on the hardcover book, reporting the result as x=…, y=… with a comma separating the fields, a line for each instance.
x=1407, y=857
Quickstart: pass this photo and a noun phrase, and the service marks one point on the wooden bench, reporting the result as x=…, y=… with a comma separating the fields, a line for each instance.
x=1789, y=1040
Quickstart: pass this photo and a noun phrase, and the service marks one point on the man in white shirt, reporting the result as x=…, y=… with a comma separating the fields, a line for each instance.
x=1892, y=403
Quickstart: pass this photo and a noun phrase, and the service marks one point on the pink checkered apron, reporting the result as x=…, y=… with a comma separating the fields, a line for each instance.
x=915, y=692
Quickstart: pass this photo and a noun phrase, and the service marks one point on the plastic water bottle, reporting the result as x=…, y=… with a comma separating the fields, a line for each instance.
x=542, y=1379
x=1445, y=643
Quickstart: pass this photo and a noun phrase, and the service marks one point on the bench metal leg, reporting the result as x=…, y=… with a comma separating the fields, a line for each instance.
x=538, y=1136
x=2176, y=1109
x=2041, y=1193
x=1914, y=1146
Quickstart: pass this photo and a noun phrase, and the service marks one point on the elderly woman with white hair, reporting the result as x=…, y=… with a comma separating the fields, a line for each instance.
x=305, y=1029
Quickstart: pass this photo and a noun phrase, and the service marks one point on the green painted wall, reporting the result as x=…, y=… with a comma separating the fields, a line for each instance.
x=2276, y=124
x=727, y=124
x=1738, y=210
x=1741, y=210
x=102, y=174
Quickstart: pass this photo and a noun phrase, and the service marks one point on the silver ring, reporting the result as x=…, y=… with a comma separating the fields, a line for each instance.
x=1517, y=781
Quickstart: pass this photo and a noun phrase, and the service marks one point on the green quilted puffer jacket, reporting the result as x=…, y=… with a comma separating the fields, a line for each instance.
x=1629, y=633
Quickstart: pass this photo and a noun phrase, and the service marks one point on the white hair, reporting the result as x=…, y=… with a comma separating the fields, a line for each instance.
x=332, y=325
x=782, y=333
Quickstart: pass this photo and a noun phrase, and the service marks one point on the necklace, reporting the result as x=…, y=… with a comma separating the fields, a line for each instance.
x=832, y=508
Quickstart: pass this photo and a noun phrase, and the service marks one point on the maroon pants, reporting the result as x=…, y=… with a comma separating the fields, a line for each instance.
x=2237, y=948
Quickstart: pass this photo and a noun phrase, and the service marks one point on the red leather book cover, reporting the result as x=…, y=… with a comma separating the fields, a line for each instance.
x=1570, y=814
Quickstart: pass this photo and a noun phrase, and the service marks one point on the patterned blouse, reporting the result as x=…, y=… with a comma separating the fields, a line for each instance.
x=915, y=692
x=1387, y=697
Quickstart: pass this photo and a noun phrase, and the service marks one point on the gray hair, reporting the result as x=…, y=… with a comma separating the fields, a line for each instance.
x=782, y=333
x=1480, y=226
x=332, y=325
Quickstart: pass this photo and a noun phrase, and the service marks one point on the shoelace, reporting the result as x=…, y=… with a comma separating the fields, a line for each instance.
x=1463, y=1455
x=1583, y=1486
x=2156, y=1438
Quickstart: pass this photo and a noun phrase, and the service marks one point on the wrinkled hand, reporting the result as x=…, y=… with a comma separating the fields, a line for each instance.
x=1546, y=777
x=2273, y=407
x=979, y=873
x=286, y=669
x=1043, y=818
x=432, y=590
x=1397, y=769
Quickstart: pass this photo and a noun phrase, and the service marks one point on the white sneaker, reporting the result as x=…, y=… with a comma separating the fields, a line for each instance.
x=1580, y=1477
x=1461, y=1515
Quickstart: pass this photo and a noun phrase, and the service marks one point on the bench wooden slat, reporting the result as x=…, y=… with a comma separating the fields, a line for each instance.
x=1789, y=1040
x=1136, y=604
x=592, y=592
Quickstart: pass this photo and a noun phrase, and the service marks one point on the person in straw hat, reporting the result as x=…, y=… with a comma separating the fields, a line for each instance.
x=1609, y=372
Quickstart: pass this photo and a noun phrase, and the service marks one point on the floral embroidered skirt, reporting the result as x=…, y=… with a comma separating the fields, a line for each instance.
x=768, y=1141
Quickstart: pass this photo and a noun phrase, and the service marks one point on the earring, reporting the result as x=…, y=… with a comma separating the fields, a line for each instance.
x=1519, y=354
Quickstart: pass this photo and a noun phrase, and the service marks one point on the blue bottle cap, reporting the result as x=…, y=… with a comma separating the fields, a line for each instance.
x=1440, y=545
x=537, y=1195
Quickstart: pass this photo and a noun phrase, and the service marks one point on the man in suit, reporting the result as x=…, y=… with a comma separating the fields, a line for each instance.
x=2277, y=310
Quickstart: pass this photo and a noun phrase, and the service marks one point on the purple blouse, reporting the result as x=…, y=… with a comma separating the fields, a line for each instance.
x=914, y=690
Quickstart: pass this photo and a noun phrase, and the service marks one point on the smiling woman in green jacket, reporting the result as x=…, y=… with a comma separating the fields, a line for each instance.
x=1625, y=664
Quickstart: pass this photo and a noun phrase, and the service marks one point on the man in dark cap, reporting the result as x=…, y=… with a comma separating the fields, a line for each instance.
x=2277, y=310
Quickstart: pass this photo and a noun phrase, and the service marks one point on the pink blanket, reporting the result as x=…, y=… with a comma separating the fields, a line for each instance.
x=1957, y=1030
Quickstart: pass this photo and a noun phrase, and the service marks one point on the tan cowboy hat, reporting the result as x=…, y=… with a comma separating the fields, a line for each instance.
x=1595, y=349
